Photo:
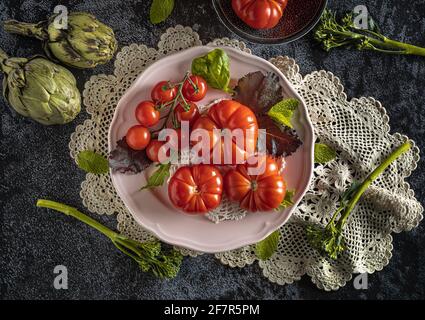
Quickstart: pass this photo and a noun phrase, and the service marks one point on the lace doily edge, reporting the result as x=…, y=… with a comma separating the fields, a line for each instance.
x=344, y=96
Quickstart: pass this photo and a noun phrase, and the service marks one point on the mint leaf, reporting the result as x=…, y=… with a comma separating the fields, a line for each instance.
x=160, y=10
x=323, y=153
x=92, y=162
x=158, y=177
x=265, y=248
x=287, y=201
x=283, y=111
x=214, y=67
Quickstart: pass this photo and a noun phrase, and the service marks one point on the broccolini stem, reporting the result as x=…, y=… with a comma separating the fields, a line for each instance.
x=333, y=34
x=335, y=215
x=146, y=254
x=70, y=211
x=382, y=44
x=405, y=48
x=370, y=178
x=35, y=30
x=386, y=45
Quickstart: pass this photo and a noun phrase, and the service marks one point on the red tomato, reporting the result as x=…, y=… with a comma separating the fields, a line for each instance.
x=146, y=114
x=191, y=115
x=153, y=150
x=260, y=14
x=228, y=114
x=194, y=89
x=138, y=137
x=163, y=92
x=196, y=189
x=262, y=192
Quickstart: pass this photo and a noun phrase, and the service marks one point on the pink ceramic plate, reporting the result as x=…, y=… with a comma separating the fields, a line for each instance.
x=153, y=210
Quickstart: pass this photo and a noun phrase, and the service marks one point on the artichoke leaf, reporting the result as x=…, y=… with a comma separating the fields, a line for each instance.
x=40, y=89
x=85, y=43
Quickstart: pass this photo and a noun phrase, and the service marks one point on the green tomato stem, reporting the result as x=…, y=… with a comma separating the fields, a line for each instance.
x=35, y=30
x=70, y=211
x=370, y=178
x=173, y=103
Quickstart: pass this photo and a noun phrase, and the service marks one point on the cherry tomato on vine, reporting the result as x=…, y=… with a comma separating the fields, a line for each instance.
x=191, y=115
x=195, y=88
x=138, y=137
x=163, y=92
x=196, y=189
x=146, y=114
x=153, y=150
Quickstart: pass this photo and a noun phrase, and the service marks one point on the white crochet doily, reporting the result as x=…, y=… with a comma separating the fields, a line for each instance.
x=357, y=129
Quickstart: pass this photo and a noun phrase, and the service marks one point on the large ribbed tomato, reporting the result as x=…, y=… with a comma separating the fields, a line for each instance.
x=256, y=192
x=259, y=14
x=239, y=120
x=196, y=189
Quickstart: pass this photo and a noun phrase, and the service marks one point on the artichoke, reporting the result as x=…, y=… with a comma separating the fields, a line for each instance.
x=40, y=89
x=84, y=43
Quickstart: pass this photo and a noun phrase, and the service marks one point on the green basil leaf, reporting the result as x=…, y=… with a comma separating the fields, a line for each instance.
x=323, y=153
x=161, y=10
x=265, y=248
x=158, y=177
x=92, y=162
x=283, y=111
x=214, y=67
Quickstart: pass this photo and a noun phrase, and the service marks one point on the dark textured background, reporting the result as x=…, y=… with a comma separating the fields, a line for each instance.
x=36, y=163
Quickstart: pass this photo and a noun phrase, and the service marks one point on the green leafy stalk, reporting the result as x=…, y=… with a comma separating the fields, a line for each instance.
x=148, y=255
x=330, y=240
x=332, y=34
